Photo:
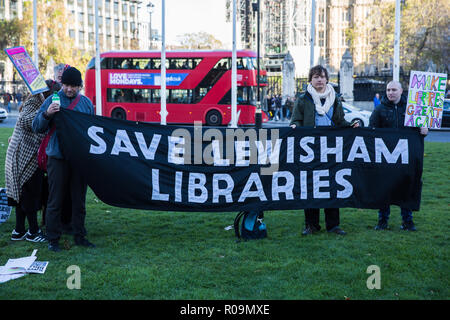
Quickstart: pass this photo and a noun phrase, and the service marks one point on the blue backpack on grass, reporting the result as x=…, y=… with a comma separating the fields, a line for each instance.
x=252, y=226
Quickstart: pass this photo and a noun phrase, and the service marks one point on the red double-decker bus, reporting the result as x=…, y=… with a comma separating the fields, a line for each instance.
x=198, y=86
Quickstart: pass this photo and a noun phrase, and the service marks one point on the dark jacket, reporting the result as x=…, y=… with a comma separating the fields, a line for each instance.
x=389, y=115
x=42, y=125
x=304, y=113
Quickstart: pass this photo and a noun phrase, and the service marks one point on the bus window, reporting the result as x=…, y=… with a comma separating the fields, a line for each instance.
x=250, y=95
x=189, y=98
x=115, y=63
x=172, y=64
x=130, y=64
x=140, y=63
x=113, y=95
x=146, y=95
x=240, y=63
x=151, y=63
x=129, y=95
x=156, y=63
x=250, y=63
x=126, y=64
x=195, y=62
x=180, y=63
x=174, y=96
x=137, y=96
x=222, y=64
x=119, y=95
x=245, y=63
x=180, y=96
x=187, y=64
x=199, y=93
x=156, y=96
x=105, y=63
x=241, y=97
x=244, y=95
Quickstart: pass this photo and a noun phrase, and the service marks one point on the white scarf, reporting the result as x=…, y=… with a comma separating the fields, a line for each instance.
x=329, y=96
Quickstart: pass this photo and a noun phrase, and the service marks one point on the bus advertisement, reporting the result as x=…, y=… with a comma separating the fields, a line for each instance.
x=198, y=86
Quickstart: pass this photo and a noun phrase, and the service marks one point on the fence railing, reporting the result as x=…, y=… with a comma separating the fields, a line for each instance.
x=364, y=87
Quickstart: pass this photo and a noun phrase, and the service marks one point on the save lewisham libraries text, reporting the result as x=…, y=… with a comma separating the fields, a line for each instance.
x=268, y=153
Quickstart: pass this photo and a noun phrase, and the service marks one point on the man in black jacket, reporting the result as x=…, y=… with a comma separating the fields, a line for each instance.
x=391, y=114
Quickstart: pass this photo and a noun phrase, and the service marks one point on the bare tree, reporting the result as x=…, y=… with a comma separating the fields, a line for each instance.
x=200, y=40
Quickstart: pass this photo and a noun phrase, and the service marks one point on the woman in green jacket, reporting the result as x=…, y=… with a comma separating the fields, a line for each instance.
x=319, y=106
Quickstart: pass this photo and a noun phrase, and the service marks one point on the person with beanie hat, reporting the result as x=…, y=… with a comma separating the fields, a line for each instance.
x=71, y=76
x=66, y=215
x=60, y=173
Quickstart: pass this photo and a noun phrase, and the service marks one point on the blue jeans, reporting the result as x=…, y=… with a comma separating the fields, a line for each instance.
x=288, y=113
x=277, y=114
x=405, y=212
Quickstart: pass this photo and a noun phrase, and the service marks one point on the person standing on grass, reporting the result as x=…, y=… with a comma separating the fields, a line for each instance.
x=23, y=178
x=60, y=172
x=391, y=114
x=319, y=106
x=66, y=214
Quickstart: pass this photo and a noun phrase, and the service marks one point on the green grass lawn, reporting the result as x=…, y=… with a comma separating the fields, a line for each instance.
x=175, y=255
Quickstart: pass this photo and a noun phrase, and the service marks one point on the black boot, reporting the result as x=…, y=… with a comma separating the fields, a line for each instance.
x=82, y=241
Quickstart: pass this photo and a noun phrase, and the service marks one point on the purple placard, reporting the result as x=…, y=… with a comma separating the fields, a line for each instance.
x=27, y=70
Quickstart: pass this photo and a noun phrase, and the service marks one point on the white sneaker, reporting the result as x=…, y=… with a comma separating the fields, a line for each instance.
x=36, y=237
x=16, y=236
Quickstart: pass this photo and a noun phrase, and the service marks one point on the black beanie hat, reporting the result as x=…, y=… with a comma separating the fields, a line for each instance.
x=71, y=76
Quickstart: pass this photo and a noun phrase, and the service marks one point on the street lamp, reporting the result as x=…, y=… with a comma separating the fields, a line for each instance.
x=35, y=37
x=396, y=68
x=258, y=114
x=313, y=32
x=150, y=11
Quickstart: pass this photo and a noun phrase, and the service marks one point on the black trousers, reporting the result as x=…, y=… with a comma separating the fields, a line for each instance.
x=29, y=203
x=66, y=215
x=61, y=180
x=331, y=217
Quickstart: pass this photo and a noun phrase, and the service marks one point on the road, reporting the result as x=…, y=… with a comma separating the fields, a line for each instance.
x=442, y=135
x=10, y=122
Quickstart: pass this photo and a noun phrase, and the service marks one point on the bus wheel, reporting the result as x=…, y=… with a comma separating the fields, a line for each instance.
x=119, y=114
x=213, y=118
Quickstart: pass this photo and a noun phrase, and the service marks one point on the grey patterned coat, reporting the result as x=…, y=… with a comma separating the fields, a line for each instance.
x=21, y=156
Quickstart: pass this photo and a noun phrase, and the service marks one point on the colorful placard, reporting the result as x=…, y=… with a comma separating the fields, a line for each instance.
x=27, y=70
x=5, y=209
x=425, y=99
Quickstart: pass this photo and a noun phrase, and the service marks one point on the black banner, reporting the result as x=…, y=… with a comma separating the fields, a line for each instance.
x=171, y=168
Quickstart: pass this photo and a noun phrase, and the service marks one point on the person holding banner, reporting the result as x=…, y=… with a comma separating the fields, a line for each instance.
x=391, y=114
x=23, y=178
x=66, y=214
x=60, y=172
x=319, y=106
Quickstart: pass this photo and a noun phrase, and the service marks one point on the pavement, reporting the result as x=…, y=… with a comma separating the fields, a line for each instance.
x=13, y=113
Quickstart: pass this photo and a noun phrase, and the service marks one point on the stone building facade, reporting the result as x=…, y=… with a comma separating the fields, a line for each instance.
x=286, y=26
